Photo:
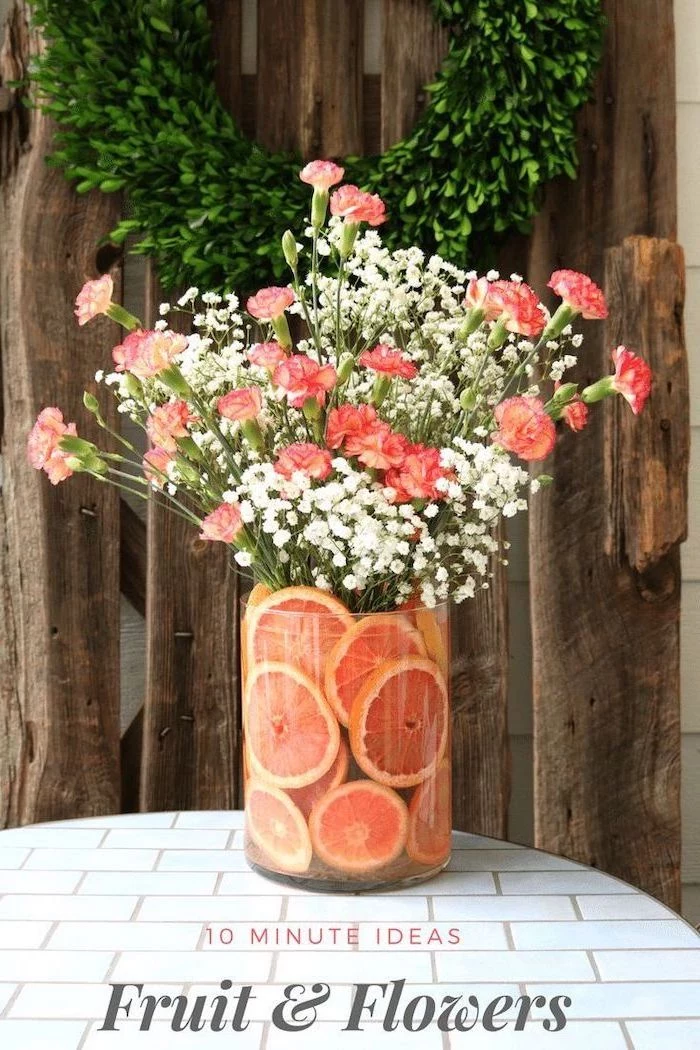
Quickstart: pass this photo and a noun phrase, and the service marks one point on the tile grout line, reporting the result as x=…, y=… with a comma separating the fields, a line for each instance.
x=52, y=929
x=510, y=939
x=26, y=860
x=86, y=1033
x=79, y=883
x=5, y=1012
x=161, y=854
x=137, y=909
x=594, y=965
x=577, y=908
x=626, y=1035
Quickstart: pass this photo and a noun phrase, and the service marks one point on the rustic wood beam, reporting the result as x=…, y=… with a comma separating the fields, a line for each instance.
x=604, y=563
x=133, y=557
x=59, y=549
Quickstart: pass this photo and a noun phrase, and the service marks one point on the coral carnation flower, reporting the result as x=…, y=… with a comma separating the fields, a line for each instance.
x=95, y=297
x=524, y=428
x=479, y=297
x=389, y=361
x=167, y=423
x=305, y=457
x=346, y=421
x=303, y=378
x=575, y=414
x=146, y=353
x=43, y=449
x=266, y=355
x=223, y=524
x=632, y=378
x=321, y=174
x=354, y=206
x=270, y=303
x=241, y=404
x=377, y=447
x=417, y=475
x=519, y=307
x=580, y=294
x=155, y=466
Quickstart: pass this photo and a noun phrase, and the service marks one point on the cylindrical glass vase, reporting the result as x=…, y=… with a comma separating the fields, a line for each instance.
x=347, y=757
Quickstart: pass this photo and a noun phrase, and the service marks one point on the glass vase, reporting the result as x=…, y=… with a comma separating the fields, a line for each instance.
x=347, y=749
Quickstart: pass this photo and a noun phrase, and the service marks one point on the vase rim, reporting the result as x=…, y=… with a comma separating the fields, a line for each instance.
x=439, y=607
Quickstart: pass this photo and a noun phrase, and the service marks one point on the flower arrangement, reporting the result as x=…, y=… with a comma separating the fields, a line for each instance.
x=360, y=430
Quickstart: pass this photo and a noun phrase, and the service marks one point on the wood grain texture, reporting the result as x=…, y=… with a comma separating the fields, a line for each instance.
x=59, y=547
x=277, y=81
x=605, y=662
x=226, y=27
x=414, y=48
x=133, y=557
x=191, y=725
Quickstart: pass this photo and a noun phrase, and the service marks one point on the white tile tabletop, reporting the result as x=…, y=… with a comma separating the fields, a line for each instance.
x=166, y=900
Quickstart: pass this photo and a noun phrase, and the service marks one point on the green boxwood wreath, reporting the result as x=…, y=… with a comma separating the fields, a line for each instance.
x=131, y=86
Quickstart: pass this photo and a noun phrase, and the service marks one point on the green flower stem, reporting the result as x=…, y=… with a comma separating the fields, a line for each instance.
x=117, y=313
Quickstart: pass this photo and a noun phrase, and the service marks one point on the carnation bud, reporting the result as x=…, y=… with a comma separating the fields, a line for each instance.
x=347, y=238
x=77, y=446
x=563, y=316
x=91, y=403
x=134, y=387
x=467, y=400
x=345, y=367
x=173, y=378
x=319, y=207
x=289, y=247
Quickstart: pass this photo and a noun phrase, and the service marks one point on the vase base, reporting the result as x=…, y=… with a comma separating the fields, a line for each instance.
x=349, y=886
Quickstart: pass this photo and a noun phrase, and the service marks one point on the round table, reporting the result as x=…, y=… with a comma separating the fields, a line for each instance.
x=166, y=900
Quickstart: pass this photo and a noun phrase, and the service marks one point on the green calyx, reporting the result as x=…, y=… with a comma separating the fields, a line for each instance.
x=131, y=87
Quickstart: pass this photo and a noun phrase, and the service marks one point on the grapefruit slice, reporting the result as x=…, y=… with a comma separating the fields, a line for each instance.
x=291, y=733
x=435, y=635
x=306, y=798
x=399, y=722
x=297, y=626
x=359, y=827
x=259, y=591
x=430, y=818
x=277, y=827
x=370, y=642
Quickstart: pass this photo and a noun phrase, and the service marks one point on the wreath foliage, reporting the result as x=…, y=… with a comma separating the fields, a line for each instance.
x=131, y=87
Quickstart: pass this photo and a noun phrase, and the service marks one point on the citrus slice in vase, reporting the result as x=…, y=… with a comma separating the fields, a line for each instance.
x=430, y=818
x=359, y=827
x=307, y=797
x=399, y=722
x=277, y=827
x=370, y=642
x=291, y=733
x=297, y=626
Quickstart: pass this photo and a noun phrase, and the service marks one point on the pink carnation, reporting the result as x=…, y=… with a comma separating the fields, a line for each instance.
x=354, y=206
x=223, y=524
x=146, y=353
x=303, y=378
x=270, y=303
x=43, y=449
x=632, y=378
x=377, y=447
x=479, y=297
x=155, y=466
x=519, y=307
x=388, y=361
x=95, y=297
x=347, y=421
x=417, y=475
x=321, y=174
x=168, y=422
x=241, y=404
x=524, y=428
x=266, y=355
x=580, y=294
x=311, y=460
x=575, y=414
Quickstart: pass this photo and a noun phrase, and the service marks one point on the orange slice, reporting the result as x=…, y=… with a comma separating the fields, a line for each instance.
x=430, y=818
x=277, y=827
x=297, y=626
x=399, y=722
x=306, y=798
x=291, y=733
x=359, y=827
x=435, y=634
x=370, y=642
x=259, y=591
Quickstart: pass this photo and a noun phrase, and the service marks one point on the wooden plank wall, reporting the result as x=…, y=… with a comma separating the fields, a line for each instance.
x=59, y=555
x=605, y=616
